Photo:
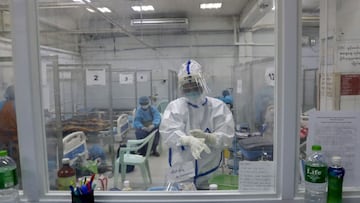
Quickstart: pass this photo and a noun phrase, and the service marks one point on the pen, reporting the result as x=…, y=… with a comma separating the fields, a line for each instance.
x=84, y=190
x=88, y=186
x=72, y=189
x=92, y=178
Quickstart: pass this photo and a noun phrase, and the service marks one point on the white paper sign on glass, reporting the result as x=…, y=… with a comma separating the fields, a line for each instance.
x=95, y=77
x=126, y=78
x=181, y=172
x=338, y=134
x=142, y=76
x=256, y=176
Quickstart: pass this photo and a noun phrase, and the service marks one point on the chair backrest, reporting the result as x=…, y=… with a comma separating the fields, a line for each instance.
x=162, y=105
x=75, y=145
x=142, y=142
x=150, y=141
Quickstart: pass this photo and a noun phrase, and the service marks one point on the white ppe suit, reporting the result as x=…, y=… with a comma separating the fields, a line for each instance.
x=211, y=116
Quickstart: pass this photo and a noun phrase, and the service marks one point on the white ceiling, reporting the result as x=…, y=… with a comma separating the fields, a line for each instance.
x=73, y=18
x=122, y=8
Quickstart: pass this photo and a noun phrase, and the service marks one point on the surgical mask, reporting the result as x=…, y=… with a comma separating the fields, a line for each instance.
x=145, y=106
x=193, y=96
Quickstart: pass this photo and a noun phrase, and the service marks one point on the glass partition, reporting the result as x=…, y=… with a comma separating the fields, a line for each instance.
x=8, y=123
x=102, y=59
x=330, y=85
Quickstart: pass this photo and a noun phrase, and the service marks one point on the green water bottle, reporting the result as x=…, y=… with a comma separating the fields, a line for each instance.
x=335, y=180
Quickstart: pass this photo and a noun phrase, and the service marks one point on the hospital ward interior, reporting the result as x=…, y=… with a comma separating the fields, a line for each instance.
x=171, y=96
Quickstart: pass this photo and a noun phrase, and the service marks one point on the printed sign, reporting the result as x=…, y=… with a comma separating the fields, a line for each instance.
x=350, y=84
x=126, y=78
x=95, y=77
x=348, y=56
x=142, y=76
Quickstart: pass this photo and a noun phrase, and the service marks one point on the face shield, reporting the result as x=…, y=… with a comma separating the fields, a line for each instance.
x=191, y=82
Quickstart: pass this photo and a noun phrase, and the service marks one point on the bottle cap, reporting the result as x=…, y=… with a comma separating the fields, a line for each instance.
x=126, y=183
x=336, y=160
x=316, y=148
x=3, y=153
x=65, y=161
x=213, y=187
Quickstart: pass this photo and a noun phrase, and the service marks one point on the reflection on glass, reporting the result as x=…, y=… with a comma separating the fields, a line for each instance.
x=308, y=73
x=8, y=124
x=96, y=65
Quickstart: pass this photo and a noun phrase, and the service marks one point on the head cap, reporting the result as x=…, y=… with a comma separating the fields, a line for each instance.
x=144, y=100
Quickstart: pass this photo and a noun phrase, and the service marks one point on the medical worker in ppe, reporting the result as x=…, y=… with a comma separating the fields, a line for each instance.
x=264, y=102
x=8, y=125
x=195, y=127
x=147, y=119
x=227, y=98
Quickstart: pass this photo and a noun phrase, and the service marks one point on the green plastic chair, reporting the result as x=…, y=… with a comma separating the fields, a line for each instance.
x=126, y=158
x=162, y=106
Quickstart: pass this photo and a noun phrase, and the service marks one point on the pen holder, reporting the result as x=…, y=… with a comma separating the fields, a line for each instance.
x=88, y=198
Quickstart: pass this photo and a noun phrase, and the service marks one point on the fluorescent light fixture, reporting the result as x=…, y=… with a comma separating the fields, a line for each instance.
x=159, y=21
x=90, y=10
x=143, y=8
x=82, y=1
x=210, y=5
x=104, y=9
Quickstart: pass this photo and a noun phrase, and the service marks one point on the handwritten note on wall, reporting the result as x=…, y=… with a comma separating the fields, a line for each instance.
x=256, y=176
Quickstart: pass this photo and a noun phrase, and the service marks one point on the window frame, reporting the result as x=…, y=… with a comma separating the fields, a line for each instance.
x=31, y=125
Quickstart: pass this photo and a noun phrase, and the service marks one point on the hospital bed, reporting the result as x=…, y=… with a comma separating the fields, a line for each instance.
x=122, y=127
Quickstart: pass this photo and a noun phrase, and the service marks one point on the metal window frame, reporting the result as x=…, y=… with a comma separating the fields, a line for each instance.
x=31, y=130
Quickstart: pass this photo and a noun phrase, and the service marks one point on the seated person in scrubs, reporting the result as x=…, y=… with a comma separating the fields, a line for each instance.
x=147, y=119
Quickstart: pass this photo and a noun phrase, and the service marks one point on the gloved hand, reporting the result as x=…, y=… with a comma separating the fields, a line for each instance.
x=150, y=127
x=209, y=137
x=197, y=145
x=145, y=129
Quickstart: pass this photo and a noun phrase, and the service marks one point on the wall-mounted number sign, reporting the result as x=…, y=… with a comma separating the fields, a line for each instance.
x=95, y=77
x=126, y=78
x=142, y=76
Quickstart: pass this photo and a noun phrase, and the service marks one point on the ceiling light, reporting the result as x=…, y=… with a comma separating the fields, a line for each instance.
x=143, y=8
x=82, y=1
x=158, y=21
x=104, y=9
x=90, y=10
x=211, y=6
